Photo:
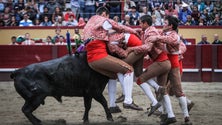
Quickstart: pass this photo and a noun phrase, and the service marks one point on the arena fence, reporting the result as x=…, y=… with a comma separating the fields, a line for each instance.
x=201, y=62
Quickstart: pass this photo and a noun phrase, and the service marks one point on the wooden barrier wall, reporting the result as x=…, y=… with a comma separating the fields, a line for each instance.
x=201, y=62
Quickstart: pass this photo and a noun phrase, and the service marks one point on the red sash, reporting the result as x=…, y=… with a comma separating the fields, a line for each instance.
x=174, y=60
x=161, y=57
x=96, y=50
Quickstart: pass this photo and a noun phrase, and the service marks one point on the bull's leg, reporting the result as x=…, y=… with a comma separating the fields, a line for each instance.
x=31, y=106
x=87, y=104
x=102, y=100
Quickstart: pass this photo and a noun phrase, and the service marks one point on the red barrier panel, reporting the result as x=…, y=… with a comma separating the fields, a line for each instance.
x=192, y=41
x=19, y=56
x=217, y=63
x=189, y=60
x=196, y=57
x=206, y=63
x=62, y=50
x=219, y=56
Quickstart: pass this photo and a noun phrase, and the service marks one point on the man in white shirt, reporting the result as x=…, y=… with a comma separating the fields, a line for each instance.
x=26, y=21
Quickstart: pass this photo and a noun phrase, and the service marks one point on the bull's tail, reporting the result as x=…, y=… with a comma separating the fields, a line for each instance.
x=15, y=73
x=12, y=75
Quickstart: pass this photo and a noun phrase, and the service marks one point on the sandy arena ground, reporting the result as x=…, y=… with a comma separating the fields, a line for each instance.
x=207, y=109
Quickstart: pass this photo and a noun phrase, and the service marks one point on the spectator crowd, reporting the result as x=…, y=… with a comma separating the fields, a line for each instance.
x=77, y=12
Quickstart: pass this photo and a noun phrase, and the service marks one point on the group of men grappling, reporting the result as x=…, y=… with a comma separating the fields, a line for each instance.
x=118, y=51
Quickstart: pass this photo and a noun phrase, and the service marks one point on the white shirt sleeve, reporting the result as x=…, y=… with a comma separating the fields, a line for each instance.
x=107, y=25
x=127, y=35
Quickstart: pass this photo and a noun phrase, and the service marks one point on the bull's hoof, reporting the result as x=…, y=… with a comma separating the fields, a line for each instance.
x=110, y=119
x=37, y=123
x=38, y=120
x=86, y=122
x=115, y=109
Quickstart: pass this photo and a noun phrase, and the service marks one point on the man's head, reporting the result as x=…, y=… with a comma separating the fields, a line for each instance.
x=45, y=9
x=133, y=9
x=13, y=39
x=61, y=39
x=204, y=37
x=189, y=17
x=58, y=31
x=145, y=21
x=116, y=18
x=170, y=6
x=76, y=31
x=216, y=37
x=27, y=36
x=102, y=11
x=25, y=16
x=170, y=23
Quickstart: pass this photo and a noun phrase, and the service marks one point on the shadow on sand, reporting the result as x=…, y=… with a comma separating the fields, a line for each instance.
x=63, y=122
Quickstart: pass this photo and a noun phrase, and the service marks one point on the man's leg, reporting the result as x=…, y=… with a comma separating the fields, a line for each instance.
x=128, y=87
x=112, y=96
x=135, y=60
x=110, y=65
x=121, y=98
x=168, y=107
x=154, y=103
x=175, y=81
x=155, y=69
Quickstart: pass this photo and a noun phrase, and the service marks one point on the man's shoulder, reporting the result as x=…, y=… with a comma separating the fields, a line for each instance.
x=200, y=42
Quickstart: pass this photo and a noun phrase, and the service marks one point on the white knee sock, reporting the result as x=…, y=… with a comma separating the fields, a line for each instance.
x=162, y=108
x=121, y=78
x=183, y=106
x=146, y=88
x=168, y=106
x=112, y=92
x=153, y=83
x=188, y=101
x=128, y=85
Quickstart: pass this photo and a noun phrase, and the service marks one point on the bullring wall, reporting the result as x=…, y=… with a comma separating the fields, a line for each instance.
x=201, y=62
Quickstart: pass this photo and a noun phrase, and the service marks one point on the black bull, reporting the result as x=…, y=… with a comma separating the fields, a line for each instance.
x=65, y=76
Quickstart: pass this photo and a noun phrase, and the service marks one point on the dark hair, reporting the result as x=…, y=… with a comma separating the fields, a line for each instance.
x=172, y=21
x=102, y=9
x=146, y=18
x=45, y=7
x=49, y=37
x=13, y=37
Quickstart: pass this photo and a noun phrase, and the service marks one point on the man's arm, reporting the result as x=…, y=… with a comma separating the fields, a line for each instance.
x=122, y=28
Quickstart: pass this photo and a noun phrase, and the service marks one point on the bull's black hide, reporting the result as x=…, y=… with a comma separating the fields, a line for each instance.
x=65, y=76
